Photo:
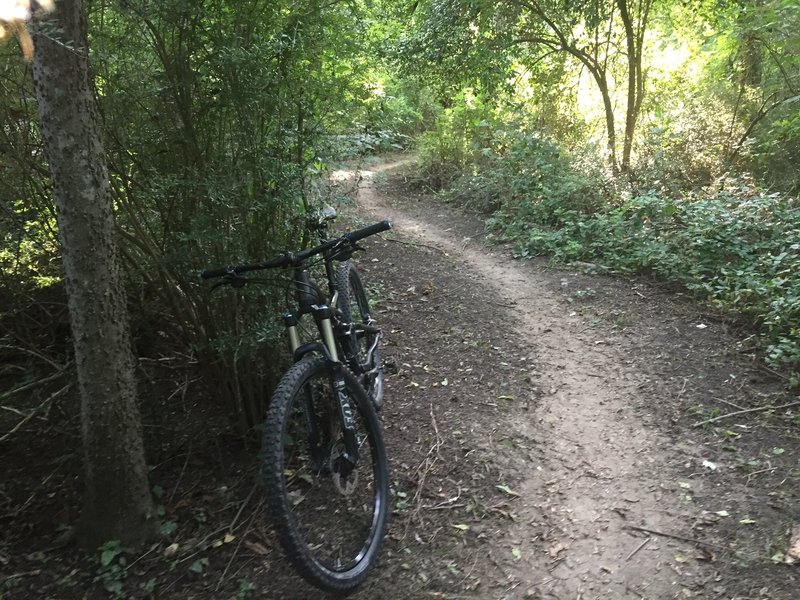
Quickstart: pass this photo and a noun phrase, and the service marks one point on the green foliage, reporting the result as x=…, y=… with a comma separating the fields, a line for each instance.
x=112, y=568
x=444, y=150
x=27, y=230
x=776, y=152
x=721, y=98
x=245, y=587
x=489, y=158
x=749, y=80
x=737, y=247
x=220, y=120
x=450, y=44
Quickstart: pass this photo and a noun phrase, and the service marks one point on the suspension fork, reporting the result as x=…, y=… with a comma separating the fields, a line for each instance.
x=309, y=411
x=344, y=401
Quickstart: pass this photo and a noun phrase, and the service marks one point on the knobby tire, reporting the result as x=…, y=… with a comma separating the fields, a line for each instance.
x=331, y=533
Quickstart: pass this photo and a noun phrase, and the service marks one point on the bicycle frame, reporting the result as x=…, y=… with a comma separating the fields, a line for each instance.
x=310, y=301
x=323, y=315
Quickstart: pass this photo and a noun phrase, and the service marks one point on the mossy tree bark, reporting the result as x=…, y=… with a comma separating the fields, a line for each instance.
x=117, y=503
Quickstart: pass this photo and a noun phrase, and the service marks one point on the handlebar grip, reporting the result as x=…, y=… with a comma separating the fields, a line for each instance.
x=211, y=273
x=360, y=234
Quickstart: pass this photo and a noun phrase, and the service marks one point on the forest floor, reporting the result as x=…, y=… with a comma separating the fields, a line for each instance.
x=542, y=431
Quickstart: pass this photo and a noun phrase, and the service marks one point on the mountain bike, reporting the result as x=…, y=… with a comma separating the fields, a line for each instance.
x=325, y=469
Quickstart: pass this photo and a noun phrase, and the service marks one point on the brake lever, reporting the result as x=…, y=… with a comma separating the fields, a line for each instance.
x=347, y=250
x=232, y=279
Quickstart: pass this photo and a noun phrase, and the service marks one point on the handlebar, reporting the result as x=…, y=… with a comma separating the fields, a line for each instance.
x=360, y=234
x=293, y=259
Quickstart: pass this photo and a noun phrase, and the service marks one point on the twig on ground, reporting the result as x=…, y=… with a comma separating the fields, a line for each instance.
x=31, y=385
x=32, y=414
x=245, y=503
x=771, y=372
x=14, y=410
x=414, y=244
x=27, y=502
x=36, y=354
x=749, y=410
x=639, y=547
x=736, y=406
x=152, y=548
x=180, y=477
x=769, y=470
x=677, y=537
x=242, y=538
x=23, y=574
x=427, y=464
x=445, y=504
x=474, y=564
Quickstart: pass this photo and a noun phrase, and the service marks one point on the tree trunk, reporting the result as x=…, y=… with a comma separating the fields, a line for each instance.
x=635, y=26
x=117, y=504
x=611, y=133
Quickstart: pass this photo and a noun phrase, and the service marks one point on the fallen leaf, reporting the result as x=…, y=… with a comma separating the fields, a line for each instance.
x=705, y=555
x=710, y=465
x=461, y=526
x=199, y=565
x=516, y=553
x=256, y=547
x=507, y=490
x=746, y=521
x=793, y=554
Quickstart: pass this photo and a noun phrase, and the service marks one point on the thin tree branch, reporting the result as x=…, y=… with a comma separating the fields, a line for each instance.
x=741, y=412
x=33, y=413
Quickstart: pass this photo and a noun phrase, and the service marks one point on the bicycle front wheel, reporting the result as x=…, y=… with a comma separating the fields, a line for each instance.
x=330, y=518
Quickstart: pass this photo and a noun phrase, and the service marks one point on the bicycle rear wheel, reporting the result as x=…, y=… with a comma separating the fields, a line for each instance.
x=363, y=347
x=330, y=520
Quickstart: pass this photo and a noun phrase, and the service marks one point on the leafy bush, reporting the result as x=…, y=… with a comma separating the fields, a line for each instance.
x=777, y=151
x=683, y=148
x=455, y=140
x=737, y=247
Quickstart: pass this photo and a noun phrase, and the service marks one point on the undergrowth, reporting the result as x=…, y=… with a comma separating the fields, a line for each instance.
x=734, y=245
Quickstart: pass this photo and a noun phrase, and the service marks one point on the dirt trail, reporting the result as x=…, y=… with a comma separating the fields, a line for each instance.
x=598, y=462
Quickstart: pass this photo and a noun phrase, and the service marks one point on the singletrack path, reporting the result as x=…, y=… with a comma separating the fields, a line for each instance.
x=603, y=494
